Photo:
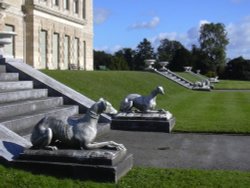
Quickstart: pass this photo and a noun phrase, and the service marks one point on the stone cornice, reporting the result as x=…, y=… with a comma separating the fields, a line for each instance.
x=55, y=13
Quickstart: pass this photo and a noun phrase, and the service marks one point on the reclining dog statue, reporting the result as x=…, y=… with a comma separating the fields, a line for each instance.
x=142, y=103
x=79, y=133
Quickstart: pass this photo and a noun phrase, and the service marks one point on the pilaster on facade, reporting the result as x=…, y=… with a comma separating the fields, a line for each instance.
x=53, y=18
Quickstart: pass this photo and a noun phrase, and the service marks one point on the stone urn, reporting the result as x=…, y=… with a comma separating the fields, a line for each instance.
x=188, y=68
x=5, y=39
x=149, y=64
x=198, y=71
x=163, y=65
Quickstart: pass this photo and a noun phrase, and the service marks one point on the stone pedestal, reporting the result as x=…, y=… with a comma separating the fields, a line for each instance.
x=156, y=121
x=99, y=165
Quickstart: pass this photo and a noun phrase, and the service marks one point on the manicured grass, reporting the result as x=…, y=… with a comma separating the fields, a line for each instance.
x=232, y=84
x=137, y=177
x=189, y=77
x=195, y=111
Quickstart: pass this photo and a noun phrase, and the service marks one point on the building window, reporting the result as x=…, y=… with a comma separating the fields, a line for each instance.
x=84, y=9
x=43, y=46
x=9, y=49
x=56, y=2
x=66, y=4
x=66, y=50
x=55, y=50
x=76, y=6
x=76, y=51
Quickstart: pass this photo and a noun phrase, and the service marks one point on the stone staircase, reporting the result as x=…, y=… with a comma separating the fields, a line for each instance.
x=22, y=106
x=176, y=78
x=24, y=100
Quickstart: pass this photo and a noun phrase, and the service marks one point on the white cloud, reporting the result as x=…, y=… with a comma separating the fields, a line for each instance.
x=146, y=25
x=239, y=36
x=101, y=15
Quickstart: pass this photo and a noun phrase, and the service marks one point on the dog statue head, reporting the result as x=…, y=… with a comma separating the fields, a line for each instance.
x=160, y=90
x=105, y=107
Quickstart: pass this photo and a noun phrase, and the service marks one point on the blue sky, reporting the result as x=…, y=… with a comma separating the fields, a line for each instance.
x=125, y=23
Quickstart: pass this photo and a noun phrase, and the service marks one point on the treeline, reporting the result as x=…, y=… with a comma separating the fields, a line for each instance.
x=209, y=57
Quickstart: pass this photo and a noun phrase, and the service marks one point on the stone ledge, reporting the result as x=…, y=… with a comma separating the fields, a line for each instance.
x=91, y=157
x=75, y=170
x=156, y=122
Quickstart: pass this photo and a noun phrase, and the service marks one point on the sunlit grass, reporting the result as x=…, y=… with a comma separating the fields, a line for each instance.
x=195, y=111
x=137, y=177
x=233, y=84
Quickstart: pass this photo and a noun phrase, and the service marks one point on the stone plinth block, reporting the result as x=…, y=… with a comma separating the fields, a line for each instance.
x=155, y=121
x=99, y=165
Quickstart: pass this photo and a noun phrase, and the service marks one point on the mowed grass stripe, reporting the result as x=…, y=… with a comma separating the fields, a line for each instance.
x=195, y=111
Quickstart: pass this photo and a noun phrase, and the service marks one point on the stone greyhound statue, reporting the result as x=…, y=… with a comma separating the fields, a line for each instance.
x=142, y=103
x=79, y=133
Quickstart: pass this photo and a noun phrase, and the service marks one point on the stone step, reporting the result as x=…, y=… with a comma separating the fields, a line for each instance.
x=18, y=95
x=2, y=68
x=9, y=76
x=23, y=124
x=21, y=107
x=15, y=85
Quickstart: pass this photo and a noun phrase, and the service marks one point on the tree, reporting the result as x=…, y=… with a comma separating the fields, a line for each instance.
x=128, y=55
x=118, y=63
x=238, y=69
x=199, y=60
x=101, y=59
x=182, y=58
x=167, y=49
x=143, y=51
x=213, y=41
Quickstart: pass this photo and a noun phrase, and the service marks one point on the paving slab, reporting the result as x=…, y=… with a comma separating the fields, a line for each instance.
x=185, y=150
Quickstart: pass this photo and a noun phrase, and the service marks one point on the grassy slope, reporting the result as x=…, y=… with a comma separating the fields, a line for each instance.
x=232, y=84
x=137, y=177
x=188, y=76
x=194, y=111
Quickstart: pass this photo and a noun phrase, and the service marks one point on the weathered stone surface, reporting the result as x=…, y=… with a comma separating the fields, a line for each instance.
x=99, y=165
x=91, y=157
x=11, y=144
x=157, y=121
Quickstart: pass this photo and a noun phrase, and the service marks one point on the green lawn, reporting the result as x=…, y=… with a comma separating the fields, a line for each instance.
x=195, y=111
x=136, y=178
x=189, y=77
x=232, y=84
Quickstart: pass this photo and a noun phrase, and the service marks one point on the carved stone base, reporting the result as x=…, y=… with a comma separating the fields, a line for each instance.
x=99, y=165
x=156, y=121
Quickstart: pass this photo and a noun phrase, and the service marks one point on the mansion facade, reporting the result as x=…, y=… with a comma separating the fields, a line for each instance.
x=51, y=34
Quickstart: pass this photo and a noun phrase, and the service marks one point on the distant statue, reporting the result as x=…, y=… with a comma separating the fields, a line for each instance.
x=79, y=133
x=204, y=84
x=142, y=103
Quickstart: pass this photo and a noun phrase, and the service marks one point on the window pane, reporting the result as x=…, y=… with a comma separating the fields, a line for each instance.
x=55, y=50
x=43, y=44
x=9, y=49
x=66, y=50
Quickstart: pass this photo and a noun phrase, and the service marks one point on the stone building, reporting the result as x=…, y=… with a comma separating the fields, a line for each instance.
x=51, y=34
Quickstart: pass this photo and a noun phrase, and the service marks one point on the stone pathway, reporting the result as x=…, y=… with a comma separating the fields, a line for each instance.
x=179, y=150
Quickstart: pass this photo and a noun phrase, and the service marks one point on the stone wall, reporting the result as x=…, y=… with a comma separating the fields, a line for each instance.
x=75, y=21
